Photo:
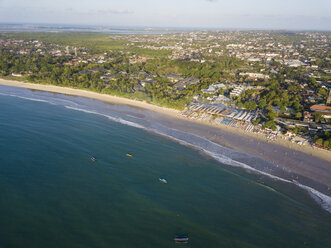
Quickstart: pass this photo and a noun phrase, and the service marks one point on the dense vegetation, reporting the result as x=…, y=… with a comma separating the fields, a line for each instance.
x=53, y=70
x=284, y=95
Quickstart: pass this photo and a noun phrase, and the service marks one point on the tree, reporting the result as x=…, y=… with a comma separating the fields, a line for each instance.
x=298, y=115
x=318, y=117
x=269, y=108
x=251, y=105
x=240, y=105
x=257, y=121
x=319, y=141
x=323, y=92
x=277, y=101
x=296, y=106
x=262, y=103
x=270, y=124
x=271, y=115
x=282, y=109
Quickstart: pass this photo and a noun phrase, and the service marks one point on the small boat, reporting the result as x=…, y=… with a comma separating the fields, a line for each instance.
x=181, y=239
x=93, y=159
x=129, y=155
x=162, y=180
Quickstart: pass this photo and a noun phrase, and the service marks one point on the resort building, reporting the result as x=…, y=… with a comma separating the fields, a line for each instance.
x=323, y=110
x=236, y=92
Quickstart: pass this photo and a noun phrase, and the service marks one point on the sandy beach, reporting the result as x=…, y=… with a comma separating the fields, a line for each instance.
x=90, y=94
x=307, y=164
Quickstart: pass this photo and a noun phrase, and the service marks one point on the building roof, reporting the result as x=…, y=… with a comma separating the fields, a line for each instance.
x=320, y=108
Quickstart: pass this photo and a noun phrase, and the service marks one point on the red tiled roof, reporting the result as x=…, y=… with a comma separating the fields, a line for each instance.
x=319, y=107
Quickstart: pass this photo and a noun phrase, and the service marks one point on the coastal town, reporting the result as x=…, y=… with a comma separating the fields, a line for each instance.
x=144, y=124
x=276, y=84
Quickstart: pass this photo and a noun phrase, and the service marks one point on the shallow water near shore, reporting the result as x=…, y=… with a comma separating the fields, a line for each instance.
x=53, y=195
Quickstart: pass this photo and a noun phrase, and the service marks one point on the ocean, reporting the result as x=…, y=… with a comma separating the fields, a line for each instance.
x=53, y=195
x=58, y=28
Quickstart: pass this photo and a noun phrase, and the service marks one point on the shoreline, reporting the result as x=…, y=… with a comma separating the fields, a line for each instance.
x=310, y=165
x=314, y=151
x=90, y=94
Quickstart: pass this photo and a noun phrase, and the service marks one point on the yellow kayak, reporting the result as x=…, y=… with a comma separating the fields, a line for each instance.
x=129, y=155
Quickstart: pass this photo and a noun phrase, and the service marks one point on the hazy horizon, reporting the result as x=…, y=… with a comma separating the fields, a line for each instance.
x=90, y=26
x=195, y=14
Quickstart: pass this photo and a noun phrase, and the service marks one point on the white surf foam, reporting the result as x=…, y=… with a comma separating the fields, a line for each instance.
x=116, y=119
x=322, y=199
x=27, y=98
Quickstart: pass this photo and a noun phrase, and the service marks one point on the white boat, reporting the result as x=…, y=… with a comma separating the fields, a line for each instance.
x=163, y=180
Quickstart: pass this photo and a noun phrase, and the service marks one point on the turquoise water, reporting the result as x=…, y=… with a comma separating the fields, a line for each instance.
x=53, y=195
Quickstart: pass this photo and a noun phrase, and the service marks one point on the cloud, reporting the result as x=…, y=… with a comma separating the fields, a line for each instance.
x=98, y=12
x=211, y=1
x=115, y=12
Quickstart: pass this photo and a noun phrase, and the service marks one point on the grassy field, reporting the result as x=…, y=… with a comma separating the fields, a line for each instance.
x=96, y=43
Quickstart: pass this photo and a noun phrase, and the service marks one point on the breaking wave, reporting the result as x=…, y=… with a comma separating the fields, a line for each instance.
x=26, y=98
x=322, y=199
x=216, y=151
x=112, y=118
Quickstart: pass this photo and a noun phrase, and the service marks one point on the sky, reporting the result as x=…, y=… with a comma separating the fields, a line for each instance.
x=219, y=14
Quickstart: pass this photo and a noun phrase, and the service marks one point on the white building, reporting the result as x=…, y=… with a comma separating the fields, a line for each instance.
x=237, y=91
x=254, y=75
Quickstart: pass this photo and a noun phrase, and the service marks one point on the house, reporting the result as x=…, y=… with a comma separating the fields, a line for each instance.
x=293, y=63
x=221, y=99
x=148, y=80
x=16, y=75
x=214, y=88
x=108, y=77
x=143, y=73
x=311, y=99
x=91, y=71
x=137, y=87
x=323, y=110
x=196, y=97
x=307, y=116
x=253, y=59
x=219, y=85
x=254, y=76
x=182, y=84
x=173, y=77
x=136, y=60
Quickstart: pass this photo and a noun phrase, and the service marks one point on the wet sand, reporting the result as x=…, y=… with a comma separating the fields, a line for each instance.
x=286, y=163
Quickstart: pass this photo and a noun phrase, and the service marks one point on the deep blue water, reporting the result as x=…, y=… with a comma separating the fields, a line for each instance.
x=53, y=195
